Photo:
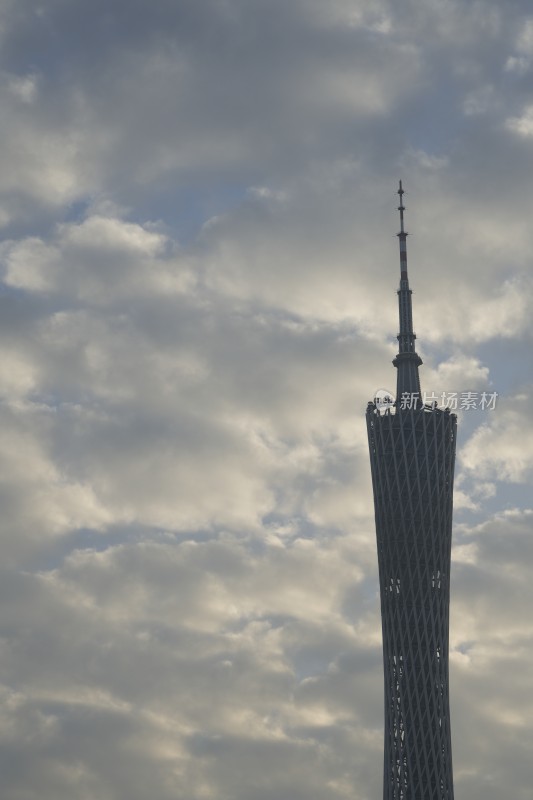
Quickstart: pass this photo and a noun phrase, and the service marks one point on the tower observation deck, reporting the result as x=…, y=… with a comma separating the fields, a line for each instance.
x=412, y=457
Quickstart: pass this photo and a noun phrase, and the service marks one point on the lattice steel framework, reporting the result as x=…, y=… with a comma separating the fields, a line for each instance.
x=412, y=455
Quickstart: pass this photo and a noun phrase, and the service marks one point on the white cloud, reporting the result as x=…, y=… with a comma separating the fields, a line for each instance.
x=521, y=62
x=502, y=448
x=87, y=258
x=522, y=125
x=24, y=87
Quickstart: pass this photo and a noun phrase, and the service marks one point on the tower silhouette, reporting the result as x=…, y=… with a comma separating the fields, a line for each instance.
x=412, y=456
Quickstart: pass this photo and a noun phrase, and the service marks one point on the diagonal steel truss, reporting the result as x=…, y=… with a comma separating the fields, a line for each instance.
x=412, y=456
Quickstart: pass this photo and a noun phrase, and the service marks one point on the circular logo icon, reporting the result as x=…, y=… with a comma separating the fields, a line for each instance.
x=384, y=399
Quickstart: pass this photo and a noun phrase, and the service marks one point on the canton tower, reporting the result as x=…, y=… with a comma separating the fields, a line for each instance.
x=412, y=456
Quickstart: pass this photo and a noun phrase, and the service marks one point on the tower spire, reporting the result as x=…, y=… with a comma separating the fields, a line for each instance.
x=407, y=361
x=402, y=236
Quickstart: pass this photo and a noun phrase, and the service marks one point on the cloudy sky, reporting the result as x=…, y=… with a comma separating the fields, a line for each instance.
x=199, y=266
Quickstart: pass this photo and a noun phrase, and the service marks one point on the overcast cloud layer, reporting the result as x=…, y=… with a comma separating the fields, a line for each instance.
x=197, y=219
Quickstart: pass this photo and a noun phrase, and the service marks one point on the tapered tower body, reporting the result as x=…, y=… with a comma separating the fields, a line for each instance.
x=412, y=456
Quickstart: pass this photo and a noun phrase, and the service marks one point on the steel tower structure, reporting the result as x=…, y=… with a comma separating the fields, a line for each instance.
x=412, y=456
